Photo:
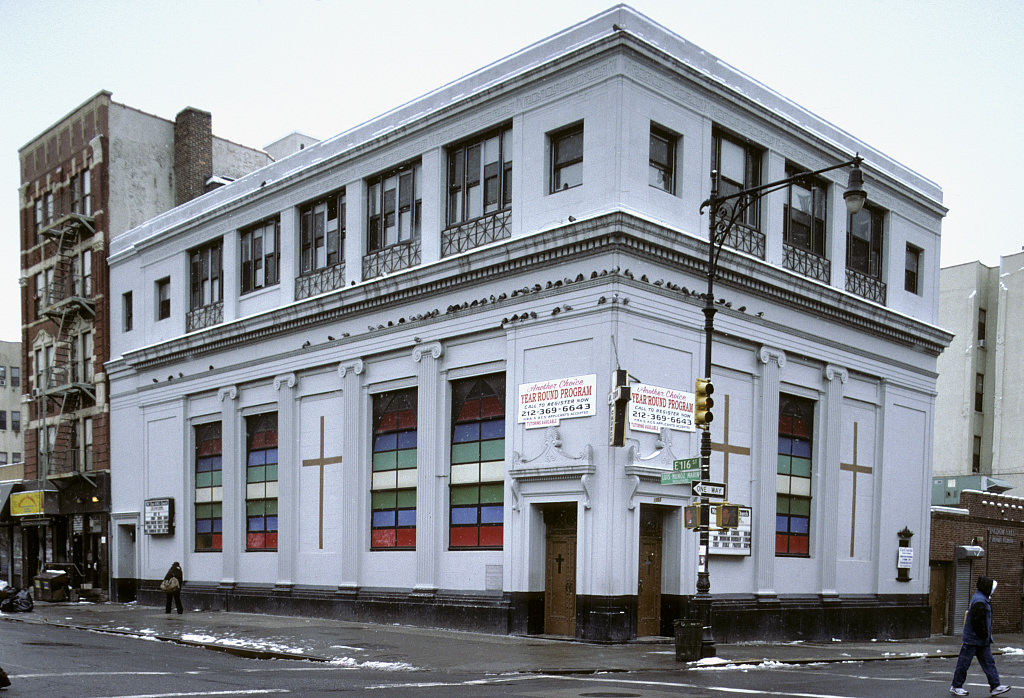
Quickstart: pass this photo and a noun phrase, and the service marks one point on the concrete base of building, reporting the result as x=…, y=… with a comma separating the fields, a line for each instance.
x=610, y=619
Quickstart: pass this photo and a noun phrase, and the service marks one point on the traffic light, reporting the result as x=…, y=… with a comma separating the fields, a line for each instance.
x=703, y=403
x=619, y=402
x=727, y=515
x=691, y=516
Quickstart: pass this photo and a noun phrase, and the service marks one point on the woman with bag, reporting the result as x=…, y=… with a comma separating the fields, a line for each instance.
x=171, y=586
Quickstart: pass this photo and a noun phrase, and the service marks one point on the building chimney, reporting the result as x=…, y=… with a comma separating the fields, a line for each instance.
x=193, y=153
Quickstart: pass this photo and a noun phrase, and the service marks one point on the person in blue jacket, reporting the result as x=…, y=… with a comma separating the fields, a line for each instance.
x=977, y=641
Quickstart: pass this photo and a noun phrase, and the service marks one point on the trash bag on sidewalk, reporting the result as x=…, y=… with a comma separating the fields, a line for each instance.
x=4, y=681
x=18, y=602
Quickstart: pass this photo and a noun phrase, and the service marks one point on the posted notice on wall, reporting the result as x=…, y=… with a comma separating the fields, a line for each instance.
x=653, y=408
x=544, y=403
x=732, y=541
x=905, y=558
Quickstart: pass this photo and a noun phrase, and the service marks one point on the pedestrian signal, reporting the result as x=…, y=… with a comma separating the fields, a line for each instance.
x=692, y=516
x=727, y=515
x=703, y=403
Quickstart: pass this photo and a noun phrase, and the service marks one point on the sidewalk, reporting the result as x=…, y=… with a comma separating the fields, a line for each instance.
x=407, y=647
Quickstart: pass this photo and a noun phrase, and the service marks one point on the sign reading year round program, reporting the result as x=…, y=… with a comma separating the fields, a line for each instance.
x=652, y=409
x=543, y=403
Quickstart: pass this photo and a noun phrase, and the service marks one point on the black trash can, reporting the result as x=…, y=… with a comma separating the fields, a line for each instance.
x=689, y=637
x=51, y=586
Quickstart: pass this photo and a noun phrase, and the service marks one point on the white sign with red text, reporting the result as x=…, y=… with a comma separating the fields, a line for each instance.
x=652, y=409
x=543, y=403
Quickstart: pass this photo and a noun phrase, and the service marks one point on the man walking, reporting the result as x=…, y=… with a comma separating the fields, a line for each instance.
x=977, y=641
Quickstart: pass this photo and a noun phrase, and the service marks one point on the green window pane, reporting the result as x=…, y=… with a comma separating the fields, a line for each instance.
x=204, y=479
x=218, y=510
x=255, y=508
x=466, y=453
x=800, y=507
x=492, y=450
x=492, y=494
x=465, y=495
x=217, y=478
x=407, y=499
x=385, y=461
x=784, y=465
x=256, y=474
x=781, y=504
x=802, y=467
x=407, y=458
x=272, y=473
x=204, y=511
x=383, y=500
x=271, y=507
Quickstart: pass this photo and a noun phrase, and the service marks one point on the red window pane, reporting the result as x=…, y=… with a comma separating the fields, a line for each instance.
x=406, y=419
x=270, y=438
x=218, y=541
x=384, y=538
x=491, y=407
x=272, y=540
x=801, y=428
x=210, y=447
x=491, y=536
x=781, y=543
x=470, y=411
x=463, y=536
x=785, y=424
x=406, y=538
x=255, y=541
x=259, y=439
x=798, y=544
x=388, y=422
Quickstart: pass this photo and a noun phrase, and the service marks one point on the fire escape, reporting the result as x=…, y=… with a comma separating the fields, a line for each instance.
x=67, y=381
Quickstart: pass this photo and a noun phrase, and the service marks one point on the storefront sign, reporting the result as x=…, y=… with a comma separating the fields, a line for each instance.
x=27, y=503
x=652, y=408
x=544, y=403
x=159, y=516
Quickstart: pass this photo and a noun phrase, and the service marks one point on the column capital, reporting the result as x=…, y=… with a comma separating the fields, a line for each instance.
x=832, y=372
x=228, y=393
x=284, y=379
x=768, y=354
x=433, y=348
x=356, y=366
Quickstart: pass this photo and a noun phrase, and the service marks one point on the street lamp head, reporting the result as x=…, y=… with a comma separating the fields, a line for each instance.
x=855, y=195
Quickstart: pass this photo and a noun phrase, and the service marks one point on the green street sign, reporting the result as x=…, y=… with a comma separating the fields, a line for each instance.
x=680, y=477
x=686, y=464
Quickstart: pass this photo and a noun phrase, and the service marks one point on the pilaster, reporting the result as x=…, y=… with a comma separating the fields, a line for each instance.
x=232, y=512
x=832, y=438
x=430, y=470
x=353, y=478
x=287, y=481
x=773, y=360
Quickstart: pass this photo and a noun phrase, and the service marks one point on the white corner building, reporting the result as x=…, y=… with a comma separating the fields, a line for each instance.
x=371, y=380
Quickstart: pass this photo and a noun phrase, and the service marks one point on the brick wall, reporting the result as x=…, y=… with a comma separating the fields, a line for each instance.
x=996, y=523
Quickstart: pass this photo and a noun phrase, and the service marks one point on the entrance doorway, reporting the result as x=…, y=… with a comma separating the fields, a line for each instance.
x=648, y=597
x=560, y=570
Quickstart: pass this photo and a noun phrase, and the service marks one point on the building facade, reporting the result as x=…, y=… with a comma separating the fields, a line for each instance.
x=102, y=169
x=370, y=380
x=11, y=449
x=980, y=405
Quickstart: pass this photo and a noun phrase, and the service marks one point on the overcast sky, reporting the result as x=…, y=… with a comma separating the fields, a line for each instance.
x=938, y=84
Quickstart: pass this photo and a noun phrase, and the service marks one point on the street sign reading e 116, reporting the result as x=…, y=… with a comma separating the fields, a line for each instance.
x=686, y=464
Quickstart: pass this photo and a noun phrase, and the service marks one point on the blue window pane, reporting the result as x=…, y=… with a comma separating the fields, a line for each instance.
x=215, y=462
x=799, y=524
x=203, y=465
x=406, y=517
x=256, y=523
x=466, y=432
x=494, y=429
x=801, y=448
x=407, y=439
x=781, y=523
x=492, y=514
x=463, y=515
x=271, y=523
x=271, y=455
x=203, y=526
x=385, y=442
x=257, y=458
x=383, y=519
x=785, y=444
x=218, y=526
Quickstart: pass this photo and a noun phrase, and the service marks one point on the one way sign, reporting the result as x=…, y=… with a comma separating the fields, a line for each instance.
x=708, y=489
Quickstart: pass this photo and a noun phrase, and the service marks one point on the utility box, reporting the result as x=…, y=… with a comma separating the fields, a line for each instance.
x=51, y=586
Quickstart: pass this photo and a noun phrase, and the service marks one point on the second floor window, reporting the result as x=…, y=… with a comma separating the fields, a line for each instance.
x=806, y=211
x=163, y=298
x=260, y=255
x=662, y=160
x=394, y=207
x=911, y=281
x=15, y=376
x=205, y=276
x=567, y=158
x=739, y=167
x=15, y=422
x=864, y=242
x=480, y=176
x=322, y=232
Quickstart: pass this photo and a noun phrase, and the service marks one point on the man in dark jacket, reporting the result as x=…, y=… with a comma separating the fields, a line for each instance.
x=176, y=573
x=977, y=641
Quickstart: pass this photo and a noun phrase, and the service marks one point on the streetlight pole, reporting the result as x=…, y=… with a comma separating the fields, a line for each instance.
x=724, y=212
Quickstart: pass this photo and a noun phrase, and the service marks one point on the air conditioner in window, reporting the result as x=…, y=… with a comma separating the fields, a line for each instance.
x=36, y=392
x=981, y=343
x=3, y=381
